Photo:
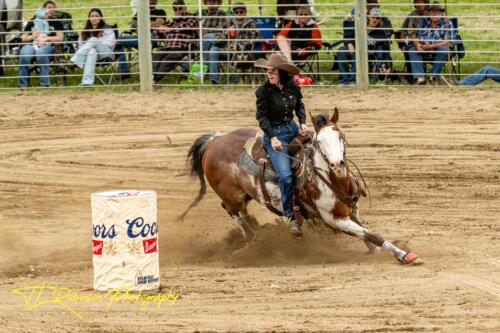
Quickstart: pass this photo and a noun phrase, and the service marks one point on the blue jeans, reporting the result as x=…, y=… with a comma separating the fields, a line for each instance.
x=123, y=43
x=214, y=56
x=282, y=163
x=42, y=54
x=347, y=66
x=484, y=73
x=87, y=56
x=211, y=55
x=439, y=58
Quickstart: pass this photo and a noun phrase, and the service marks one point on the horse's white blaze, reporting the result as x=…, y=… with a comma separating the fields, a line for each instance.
x=331, y=144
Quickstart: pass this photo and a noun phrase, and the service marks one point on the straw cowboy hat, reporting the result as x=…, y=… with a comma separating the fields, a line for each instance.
x=279, y=62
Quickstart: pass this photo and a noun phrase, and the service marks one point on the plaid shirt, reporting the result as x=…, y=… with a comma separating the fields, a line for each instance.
x=216, y=23
x=426, y=33
x=184, y=32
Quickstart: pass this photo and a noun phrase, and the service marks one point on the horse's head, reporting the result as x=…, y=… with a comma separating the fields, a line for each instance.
x=330, y=143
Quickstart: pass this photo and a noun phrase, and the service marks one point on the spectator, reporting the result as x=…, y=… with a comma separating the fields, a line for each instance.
x=215, y=26
x=43, y=49
x=178, y=34
x=243, y=34
x=378, y=47
x=300, y=37
x=158, y=18
x=434, y=36
x=96, y=42
x=409, y=29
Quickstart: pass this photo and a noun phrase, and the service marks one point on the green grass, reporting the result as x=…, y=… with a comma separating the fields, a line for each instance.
x=330, y=28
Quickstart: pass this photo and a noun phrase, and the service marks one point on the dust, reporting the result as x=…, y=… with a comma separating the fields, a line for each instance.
x=18, y=257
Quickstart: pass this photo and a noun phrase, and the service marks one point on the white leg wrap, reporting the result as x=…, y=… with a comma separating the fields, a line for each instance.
x=397, y=252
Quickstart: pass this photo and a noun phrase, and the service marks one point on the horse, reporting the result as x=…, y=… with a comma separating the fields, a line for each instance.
x=328, y=192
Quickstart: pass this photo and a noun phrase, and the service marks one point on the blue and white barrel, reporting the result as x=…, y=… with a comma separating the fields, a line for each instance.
x=125, y=240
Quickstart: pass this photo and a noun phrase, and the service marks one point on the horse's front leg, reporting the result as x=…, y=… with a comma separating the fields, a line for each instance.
x=352, y=228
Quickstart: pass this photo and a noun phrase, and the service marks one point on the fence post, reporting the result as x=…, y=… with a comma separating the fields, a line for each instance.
x=144, y=36
x=200, y=36
x=361, y=45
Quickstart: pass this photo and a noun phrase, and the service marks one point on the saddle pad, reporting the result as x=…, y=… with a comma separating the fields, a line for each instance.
x=247, y=164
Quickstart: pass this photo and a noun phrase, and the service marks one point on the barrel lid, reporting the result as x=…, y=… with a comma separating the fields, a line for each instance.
x=124, y=193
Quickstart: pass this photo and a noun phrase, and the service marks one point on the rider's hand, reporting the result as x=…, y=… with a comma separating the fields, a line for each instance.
x=303, y=130
x=276, y=143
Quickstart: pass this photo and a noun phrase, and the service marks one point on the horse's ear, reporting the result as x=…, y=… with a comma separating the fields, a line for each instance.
x=335, y=116
x=313, y=120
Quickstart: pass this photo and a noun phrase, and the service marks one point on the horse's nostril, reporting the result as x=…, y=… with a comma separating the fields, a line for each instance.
x=342, y=164
x=332, y=165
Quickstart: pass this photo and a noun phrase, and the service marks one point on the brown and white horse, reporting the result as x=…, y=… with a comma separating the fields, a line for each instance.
x=328, y=191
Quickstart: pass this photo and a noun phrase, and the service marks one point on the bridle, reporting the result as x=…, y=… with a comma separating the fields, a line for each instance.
x=348, y=199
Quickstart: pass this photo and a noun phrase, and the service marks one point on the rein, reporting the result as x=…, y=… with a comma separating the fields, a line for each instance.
x=348, y=200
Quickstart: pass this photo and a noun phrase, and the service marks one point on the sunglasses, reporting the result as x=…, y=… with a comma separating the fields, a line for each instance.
x=239, y=11
x=272, y=71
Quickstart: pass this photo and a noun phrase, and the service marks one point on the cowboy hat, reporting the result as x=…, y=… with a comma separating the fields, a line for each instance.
x=279, y=62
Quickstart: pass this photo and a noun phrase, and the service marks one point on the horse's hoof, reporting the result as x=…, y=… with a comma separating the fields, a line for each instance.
x=411, y=258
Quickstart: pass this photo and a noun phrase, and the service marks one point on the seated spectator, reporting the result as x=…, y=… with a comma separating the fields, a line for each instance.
x=379, y=45
x=158, y=18
x=243, y=34
x=40, y=46
x=378, y=48
x=96, y=42
x=214, y=36
x=409, y=29
x=300, y=37
x=432, y=42
x=178, y=34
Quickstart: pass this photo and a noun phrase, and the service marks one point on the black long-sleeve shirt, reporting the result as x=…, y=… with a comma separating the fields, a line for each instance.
x=275, y=106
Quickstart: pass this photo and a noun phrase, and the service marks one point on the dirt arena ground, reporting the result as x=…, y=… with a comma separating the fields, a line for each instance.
x=431, y=159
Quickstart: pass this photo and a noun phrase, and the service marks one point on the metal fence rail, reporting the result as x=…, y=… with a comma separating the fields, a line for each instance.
x=233, y=66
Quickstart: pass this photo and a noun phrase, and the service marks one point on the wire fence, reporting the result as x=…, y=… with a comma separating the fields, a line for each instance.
x=194, y=46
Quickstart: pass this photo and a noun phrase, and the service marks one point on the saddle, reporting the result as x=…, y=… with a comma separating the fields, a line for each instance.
x=254, y=155
x=254, y=160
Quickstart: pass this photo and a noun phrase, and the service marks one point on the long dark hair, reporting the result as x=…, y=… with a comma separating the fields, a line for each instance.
x=88, y=30
x=285, y=77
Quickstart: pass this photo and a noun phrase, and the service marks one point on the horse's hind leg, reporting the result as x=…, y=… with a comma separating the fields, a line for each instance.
x=242, y=220
x=352, y=228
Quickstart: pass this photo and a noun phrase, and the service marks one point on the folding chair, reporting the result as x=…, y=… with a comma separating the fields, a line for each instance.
x=457, y=50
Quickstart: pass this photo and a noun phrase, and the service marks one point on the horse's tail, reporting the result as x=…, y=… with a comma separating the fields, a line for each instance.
x=195, y=160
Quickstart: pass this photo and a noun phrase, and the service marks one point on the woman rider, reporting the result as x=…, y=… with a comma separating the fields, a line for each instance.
x=277, y=99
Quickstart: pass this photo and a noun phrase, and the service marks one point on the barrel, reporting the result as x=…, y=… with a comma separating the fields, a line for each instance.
x=125, y=240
